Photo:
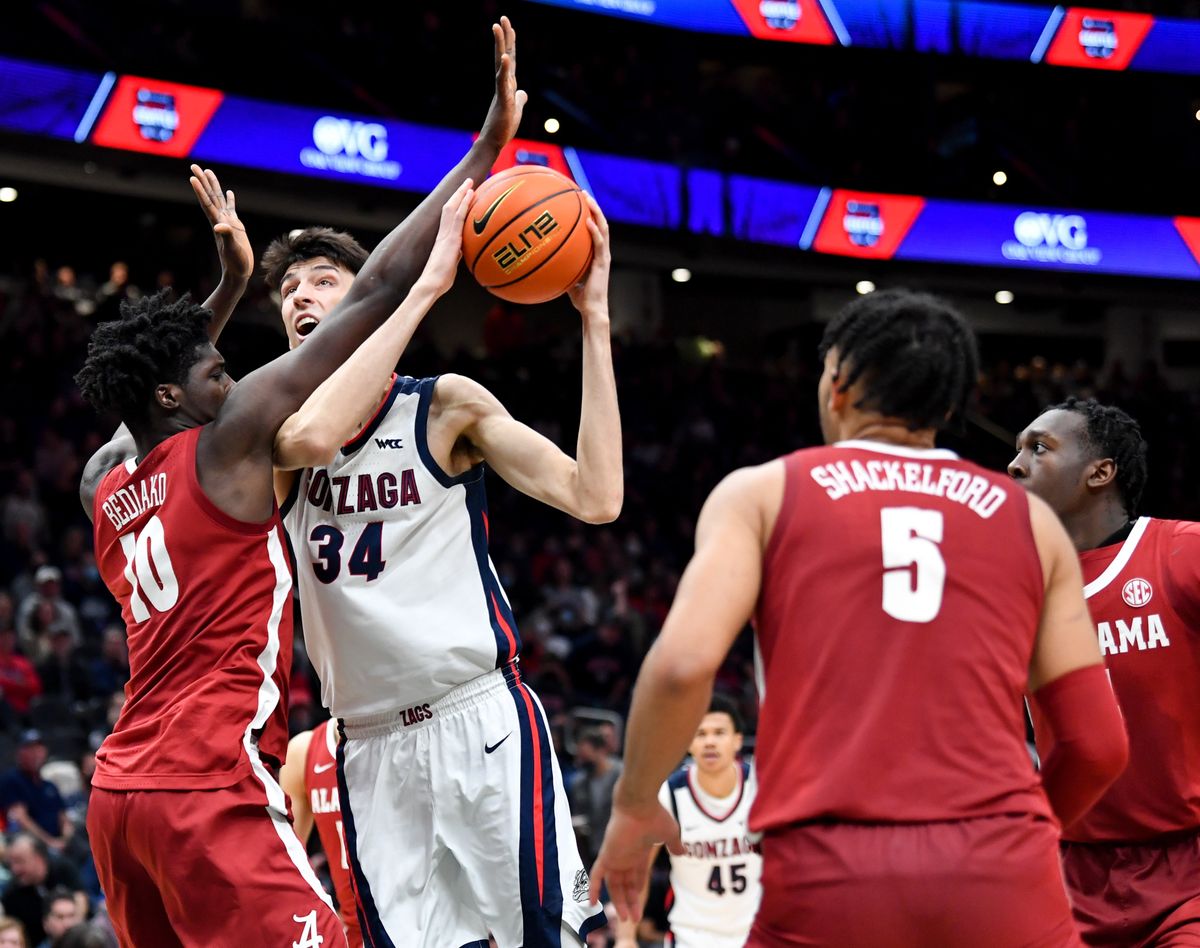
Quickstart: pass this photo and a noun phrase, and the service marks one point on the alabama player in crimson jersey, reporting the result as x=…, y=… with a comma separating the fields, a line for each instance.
x=903, y=601
x=1132, y=863
x=188, y=827
x=309, y=777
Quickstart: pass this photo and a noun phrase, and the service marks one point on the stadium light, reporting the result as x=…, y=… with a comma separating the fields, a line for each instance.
x=551, y=125
x=999, y=179
x=681, y=274
x=864, y=287
x=8, y=195
x=1004, y=297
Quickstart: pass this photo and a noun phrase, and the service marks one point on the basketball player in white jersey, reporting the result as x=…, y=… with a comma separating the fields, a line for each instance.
x=716, y=883
x=453, y=805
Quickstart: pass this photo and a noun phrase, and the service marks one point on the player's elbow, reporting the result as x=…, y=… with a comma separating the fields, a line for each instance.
x=604, y=509
x=305, y=446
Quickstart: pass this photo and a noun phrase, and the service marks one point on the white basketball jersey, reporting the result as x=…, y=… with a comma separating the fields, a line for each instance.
x=399, y=598
x=717, y=883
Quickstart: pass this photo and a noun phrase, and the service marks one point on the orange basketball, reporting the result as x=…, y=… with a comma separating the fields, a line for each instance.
x=526, y=237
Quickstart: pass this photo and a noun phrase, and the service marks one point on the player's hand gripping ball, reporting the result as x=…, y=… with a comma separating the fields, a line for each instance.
x=526, y=238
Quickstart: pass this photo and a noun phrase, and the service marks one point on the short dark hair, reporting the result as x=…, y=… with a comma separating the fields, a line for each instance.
x=1112, y=433
x=915, y=354
x=60, y=893
x=84, y=935
x=155, y=340
x=338, y=246
x=594, y=737
x=723, y=704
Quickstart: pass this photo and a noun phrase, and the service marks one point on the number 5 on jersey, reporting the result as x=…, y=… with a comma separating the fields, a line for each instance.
x=914, y=573
x=149, y=571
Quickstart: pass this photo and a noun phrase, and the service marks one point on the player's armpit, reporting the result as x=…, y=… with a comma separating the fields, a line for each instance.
x=1066, y=638
x=119, y=448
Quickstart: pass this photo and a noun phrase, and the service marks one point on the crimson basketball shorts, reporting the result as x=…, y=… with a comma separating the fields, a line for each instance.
x=985, y=883
x=1136, y=896
x=208, y=869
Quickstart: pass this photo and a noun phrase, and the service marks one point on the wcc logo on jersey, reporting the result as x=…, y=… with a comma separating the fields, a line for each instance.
x=1137, y=593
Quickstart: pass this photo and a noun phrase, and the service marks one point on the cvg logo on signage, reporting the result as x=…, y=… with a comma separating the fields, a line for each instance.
x=350, y=146
x=1051, y=238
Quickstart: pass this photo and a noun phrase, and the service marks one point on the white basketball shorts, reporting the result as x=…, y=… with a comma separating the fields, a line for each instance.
x=457, y=824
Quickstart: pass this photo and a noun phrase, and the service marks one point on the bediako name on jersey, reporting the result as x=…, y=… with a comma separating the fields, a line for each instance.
x=977, y=493
x=128, y=503
x=366, y=492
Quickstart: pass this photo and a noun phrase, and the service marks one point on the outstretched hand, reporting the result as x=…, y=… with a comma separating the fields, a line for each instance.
x=447, y=247
x=590, y=295
x=504, y=115
x=624, y=860
x=233, y=246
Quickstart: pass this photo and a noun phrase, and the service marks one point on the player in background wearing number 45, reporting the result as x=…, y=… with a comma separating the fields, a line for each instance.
x=1132, y=864
x=716, y=884
x=904, y=601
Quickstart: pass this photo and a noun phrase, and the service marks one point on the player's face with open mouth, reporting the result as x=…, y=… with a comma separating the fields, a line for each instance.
x=308, y=292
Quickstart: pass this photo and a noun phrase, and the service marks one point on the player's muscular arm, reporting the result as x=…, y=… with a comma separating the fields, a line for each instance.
x=291, y=778
x=715, y=600
x=1068, y=681
x=234, y=454
x=468, y=424
x=336, y=410
x=237, y=264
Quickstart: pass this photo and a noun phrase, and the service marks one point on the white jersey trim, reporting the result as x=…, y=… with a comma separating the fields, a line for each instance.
x=1114, y=568
x=880, y=447
x=268, y=700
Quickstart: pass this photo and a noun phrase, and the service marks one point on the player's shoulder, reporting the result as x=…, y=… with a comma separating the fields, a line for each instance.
x=678, y=780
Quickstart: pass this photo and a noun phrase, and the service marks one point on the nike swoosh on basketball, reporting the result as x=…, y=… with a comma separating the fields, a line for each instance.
x=488, y=748
x=481, y=222
x=321, y=768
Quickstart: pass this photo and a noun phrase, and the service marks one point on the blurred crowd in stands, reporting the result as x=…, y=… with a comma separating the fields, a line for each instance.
x=589, y=600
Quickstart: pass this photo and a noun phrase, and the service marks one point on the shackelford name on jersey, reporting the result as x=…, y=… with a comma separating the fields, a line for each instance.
x=842, y=478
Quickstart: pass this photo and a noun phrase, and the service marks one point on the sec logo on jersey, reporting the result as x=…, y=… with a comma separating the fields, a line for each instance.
x=1137, y=592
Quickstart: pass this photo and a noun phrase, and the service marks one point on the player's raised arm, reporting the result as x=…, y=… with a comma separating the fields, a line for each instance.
x=237, y=266
x=1068, y=681
x=233, y=246
x=715, y=600
x=263, y=400
x=591, y=485
x=337, y=409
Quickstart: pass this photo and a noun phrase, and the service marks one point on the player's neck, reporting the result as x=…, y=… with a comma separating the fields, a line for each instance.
x=1091, y=528
x=887, y=431
x=719, y=784
x=149, y=438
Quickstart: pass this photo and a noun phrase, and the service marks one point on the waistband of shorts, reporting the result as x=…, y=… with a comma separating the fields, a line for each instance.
x=1163, y=841
x=422, y=714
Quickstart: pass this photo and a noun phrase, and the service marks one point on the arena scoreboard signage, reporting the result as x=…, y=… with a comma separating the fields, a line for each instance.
x=157, y=117
x=1060, y=36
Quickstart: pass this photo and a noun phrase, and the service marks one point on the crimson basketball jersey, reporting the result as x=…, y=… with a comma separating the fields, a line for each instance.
x=1144, y=596
x=901, y=593
x=321, y=785
x=207, y=603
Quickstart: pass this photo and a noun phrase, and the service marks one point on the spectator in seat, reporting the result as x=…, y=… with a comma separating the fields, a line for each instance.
x=31, y=803
x=35, y=873
x=19, y=682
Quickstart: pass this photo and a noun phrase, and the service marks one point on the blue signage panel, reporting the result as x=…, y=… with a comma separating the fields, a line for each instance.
x=770, y=212
x=632, y=191
x=44, y=100
x=335, y=145
x=1039, y=238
